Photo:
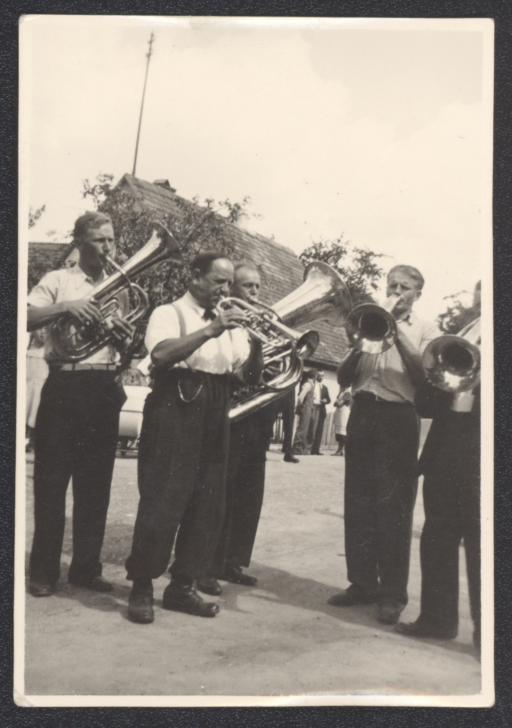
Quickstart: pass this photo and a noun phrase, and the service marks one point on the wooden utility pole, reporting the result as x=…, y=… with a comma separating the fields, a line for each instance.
x=148, y=56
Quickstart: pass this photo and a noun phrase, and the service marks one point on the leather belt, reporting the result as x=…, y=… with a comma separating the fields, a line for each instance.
x=70, y=367
x=366, y=396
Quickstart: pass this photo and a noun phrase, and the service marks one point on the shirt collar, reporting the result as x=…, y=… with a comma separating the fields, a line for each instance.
x=409, y=318
x=193, y=303
x=78, y=270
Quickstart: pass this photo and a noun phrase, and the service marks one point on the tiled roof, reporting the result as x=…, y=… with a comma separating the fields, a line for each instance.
x=281, y=270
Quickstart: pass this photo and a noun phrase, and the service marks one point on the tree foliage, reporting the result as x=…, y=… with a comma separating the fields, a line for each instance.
x=358, y=267
x=457, y=313
x=34, y=215
x=196, y=225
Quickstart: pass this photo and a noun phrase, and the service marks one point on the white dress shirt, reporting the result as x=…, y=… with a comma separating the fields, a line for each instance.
x=221, y=355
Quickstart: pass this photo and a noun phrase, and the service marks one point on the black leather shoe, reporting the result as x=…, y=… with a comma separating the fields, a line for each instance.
x=209, y=585
x=94, y=583
x=41, y=588
x=420, y=629
x=389, y=613
x=291, y=459
x=186, y=599
x=317, y=453
x=235, y=575
x=350, y=597
x=140, y=607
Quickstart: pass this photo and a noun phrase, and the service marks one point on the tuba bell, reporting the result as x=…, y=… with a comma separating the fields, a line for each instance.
x=74, y=341
x=452, y=362
x=323, y=296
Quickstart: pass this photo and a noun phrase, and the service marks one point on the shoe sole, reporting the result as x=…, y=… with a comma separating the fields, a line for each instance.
x=210, y=592
x=140, y=619
x=212, y=612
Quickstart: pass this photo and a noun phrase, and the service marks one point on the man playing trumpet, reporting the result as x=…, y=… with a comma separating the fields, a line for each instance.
x=184, y=441
x=450, y=462
x=381, y=466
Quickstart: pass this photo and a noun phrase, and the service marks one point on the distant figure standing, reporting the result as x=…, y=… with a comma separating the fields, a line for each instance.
x=286, y=405
x=37, y=372
x=304, y=411
x=320, y=399
x=342, y=406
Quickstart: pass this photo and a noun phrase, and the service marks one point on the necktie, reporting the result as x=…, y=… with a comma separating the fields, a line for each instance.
x=209, y=314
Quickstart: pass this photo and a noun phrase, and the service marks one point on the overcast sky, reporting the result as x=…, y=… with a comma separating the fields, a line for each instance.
x=380, y=132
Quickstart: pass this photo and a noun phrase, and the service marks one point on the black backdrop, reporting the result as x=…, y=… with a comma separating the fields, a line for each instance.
x=501, y=714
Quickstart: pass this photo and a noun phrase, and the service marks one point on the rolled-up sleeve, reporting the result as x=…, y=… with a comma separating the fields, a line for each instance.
x=241, y=347
x=163, y=324
x=45, y=292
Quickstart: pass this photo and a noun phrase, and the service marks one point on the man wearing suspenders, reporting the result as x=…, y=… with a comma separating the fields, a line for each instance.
x=184, y=438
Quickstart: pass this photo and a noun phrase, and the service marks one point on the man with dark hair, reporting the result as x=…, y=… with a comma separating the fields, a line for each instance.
x=78, y=418
x=381, y=465
x=184, y=440
x=249, y=442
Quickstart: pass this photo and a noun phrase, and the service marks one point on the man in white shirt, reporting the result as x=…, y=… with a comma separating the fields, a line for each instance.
x=185, y=437
x=78, y=417
x=381, y=455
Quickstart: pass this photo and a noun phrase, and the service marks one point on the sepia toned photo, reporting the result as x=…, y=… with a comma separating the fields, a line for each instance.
x=255, y=388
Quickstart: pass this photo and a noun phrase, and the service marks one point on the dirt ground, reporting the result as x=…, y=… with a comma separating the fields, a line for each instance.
x=280, y=638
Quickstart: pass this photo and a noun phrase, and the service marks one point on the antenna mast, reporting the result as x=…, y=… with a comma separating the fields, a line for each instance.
x=148, y=56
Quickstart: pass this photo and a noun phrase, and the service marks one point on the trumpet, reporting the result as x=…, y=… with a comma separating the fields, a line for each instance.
x=452, y=362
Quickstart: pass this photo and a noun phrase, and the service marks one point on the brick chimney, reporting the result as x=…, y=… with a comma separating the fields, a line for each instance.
x=165, y=184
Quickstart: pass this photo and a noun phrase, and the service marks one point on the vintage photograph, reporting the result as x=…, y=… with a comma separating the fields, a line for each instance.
x=255, y=389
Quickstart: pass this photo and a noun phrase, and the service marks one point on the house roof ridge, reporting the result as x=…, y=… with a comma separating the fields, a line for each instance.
x=132, y=182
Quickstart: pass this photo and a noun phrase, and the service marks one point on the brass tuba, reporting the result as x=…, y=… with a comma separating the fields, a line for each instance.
x=452, y=363
x=74, y=341
x=322, y=296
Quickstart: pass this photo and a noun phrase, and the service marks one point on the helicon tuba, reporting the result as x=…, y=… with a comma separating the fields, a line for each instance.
x=452, y=362
x=323, y=296
x=74, y=341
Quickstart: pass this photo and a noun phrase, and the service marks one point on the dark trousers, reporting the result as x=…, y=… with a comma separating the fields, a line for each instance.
x=75, y=437
x=451, y=495
x=288, y=414
x=182, y=469
x=380, y=491
x=244, y=490
x=340, y=439
x=317, y=427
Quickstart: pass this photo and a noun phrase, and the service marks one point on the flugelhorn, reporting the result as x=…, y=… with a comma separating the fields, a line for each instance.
x=452, y=362
x=323, y=296
x=73, y=340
